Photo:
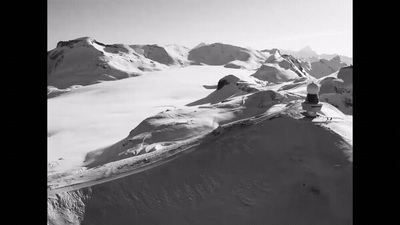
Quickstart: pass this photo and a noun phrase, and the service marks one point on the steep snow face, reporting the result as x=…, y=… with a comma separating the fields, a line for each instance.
x=325, y=67
x=278, y=68
x=85, y=61
x=218, y=54
x=337, y=89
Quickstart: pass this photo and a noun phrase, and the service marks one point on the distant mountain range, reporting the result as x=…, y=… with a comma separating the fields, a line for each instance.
x=310, y=55
x=85, y=61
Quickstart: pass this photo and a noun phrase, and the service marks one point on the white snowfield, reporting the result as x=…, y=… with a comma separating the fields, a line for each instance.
x=202, y=144
x=97, y=115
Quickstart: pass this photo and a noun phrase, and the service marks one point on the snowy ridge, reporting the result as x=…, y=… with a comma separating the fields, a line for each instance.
x=309, y=55
x=226, y=148
x=278, y=68
x=325, y=67
x=228, y=55
x=85, y=61
x=178, y=53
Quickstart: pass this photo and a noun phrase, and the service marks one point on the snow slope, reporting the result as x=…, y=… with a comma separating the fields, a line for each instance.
x=309, y=55
x=325, y=67
x=228, y=55
x=337, y=89
x=85, y=61
x=201, y=144
x=280, y=68
x=98, y=115
x=178, y=53
x=154, y=52
x=261, y=162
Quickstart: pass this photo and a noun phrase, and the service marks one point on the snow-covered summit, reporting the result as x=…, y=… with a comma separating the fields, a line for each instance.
x=325, y=67
x=280, y=68
x=309, y=55
x=224, y=54
x=199, y=45
x=86, y=61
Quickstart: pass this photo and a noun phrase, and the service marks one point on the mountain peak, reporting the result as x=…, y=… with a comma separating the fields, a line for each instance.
x=306, y=49
x=76, y=40
x=199, y=45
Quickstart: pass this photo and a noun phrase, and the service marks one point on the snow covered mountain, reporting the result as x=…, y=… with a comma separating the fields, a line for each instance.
x=309, y=55
x=281, y=68
x=178, y=53
x=228, y=55
x=325, y=67
x=210, y=135
x=85, y=61
x=337, y=89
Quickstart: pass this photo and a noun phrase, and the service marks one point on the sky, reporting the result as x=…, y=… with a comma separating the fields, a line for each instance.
x=324, y=25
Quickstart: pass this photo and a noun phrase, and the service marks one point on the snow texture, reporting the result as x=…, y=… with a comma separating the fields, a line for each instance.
x=224, y=141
